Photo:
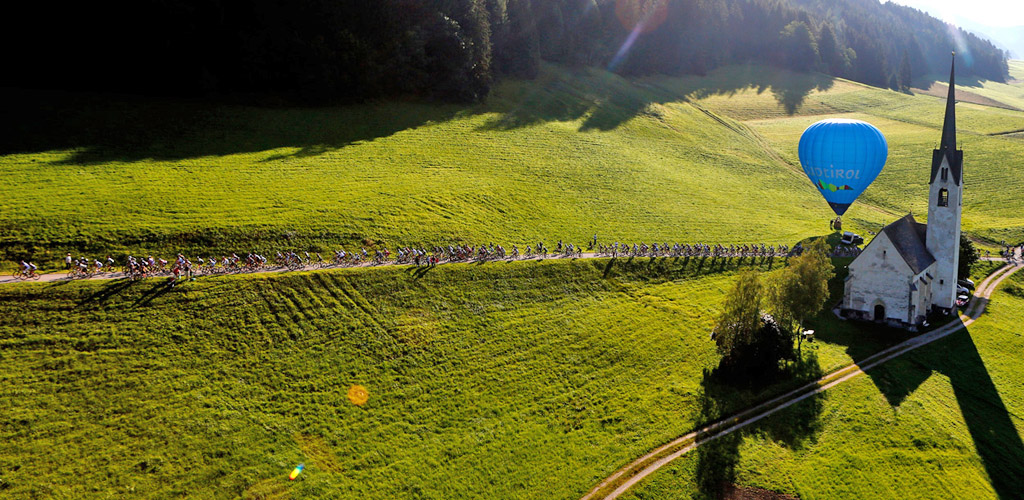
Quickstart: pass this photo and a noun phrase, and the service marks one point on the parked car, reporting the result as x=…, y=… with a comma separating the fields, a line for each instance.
x=962, y=300
x=851, y=238
x=966, y=283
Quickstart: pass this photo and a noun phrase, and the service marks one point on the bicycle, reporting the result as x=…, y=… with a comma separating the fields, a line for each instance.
x=25, y=275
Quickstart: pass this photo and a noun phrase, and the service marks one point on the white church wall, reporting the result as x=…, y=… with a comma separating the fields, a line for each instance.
x=879, y=275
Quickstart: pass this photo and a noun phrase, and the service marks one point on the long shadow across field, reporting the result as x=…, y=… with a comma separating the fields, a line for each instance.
x=103, y=128
x=988, y=421
x=611, y=102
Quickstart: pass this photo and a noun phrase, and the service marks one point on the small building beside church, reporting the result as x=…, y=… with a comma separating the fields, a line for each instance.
x=910, y=269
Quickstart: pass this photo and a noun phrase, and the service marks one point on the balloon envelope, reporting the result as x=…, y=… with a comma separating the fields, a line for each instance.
x=842, y=157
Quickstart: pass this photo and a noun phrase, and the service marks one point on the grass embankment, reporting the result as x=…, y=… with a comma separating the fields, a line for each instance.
x=570, y=154
x=525, y=380
x=941, y=422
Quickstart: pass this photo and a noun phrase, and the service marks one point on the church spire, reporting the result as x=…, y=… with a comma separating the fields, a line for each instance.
x=949, y=123
x=947, y=146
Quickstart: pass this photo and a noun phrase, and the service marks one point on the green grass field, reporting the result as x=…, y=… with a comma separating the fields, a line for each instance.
x=524, y=380
x=574, y=153
x=941, y=422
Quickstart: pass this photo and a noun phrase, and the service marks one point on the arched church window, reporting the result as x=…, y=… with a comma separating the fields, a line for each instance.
x=943, y=197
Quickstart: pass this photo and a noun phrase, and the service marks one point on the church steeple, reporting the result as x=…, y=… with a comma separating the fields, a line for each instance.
x=947, y=146
x=949, y=122
x=945, y=201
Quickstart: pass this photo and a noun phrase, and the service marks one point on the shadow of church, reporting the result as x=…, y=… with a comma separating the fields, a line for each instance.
x=988, y=421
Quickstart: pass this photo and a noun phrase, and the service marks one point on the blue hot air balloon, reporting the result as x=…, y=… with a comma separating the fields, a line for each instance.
x=842, y=157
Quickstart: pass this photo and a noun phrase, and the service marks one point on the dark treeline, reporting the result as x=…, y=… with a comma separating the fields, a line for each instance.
x=353, y=50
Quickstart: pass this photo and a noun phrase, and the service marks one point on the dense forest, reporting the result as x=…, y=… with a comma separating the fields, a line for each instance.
x=353, y=50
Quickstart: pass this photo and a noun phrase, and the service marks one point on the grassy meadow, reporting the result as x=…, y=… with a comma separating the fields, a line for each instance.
x=523, y=380
x=1010, y=93
x=567, y=156
x=502, y=380
x=941, y=422
x=574, y=153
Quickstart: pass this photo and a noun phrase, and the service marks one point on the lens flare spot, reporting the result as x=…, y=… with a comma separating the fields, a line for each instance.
x=358, y=395
x=641, y=16
x=961, y=44
x=296, y=471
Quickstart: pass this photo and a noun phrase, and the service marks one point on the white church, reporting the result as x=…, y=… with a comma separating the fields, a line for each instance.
x=910, y=269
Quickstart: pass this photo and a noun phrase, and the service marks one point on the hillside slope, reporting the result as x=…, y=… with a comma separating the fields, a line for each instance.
x=571, y=154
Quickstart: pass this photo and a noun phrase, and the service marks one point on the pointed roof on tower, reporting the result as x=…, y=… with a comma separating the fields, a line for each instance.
x=949, y=122
x=947, y=146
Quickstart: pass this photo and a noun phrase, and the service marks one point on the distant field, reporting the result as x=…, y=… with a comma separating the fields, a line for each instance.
x=571, y=154
x=530, y=380
x=910, y=123
x=1011, y=92
x=942, y=90
x=942, y=422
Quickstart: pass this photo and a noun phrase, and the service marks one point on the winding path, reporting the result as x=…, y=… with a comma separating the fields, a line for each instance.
x=49, y=277
x=61, y=276
x=623, y=479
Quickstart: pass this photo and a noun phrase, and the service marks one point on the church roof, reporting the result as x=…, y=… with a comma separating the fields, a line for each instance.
x=909, y=237
x=947, y=146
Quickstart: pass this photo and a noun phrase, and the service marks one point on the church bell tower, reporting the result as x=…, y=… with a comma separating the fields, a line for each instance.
x=945, y=199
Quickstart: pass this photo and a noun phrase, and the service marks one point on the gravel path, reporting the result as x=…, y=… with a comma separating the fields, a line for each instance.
x=60, y=276
x=50, y=277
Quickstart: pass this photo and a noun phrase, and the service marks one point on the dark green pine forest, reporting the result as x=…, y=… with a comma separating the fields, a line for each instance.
x=340, y=51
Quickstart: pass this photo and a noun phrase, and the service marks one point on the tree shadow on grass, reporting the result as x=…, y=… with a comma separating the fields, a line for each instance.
x=103, y=128
x=605, y=101
x=99, y=128
x=794, y=427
